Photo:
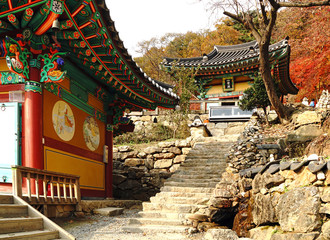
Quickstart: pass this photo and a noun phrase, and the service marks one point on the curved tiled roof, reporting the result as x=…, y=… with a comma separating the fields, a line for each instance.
x=226, y=59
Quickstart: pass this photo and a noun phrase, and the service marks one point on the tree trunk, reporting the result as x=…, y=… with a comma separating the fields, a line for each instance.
x=266, y=75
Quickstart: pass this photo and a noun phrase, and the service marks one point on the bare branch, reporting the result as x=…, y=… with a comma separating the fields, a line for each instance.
x=274, y=4
x=304, y=4
x=234, y=16
x=263, y=12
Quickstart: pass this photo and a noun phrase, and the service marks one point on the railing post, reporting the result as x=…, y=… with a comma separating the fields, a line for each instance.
x=17, y=181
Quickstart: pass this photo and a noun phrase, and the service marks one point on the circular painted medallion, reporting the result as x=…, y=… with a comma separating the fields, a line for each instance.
x=63, y=120
x=91, y=133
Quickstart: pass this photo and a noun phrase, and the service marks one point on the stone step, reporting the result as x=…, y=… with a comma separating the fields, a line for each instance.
x=168, y=207
x=33, y=235
x=109, y=211
x=13, y=210
x=155, y=229
x=6, y=199
x=168, y=215
x=199, y=171
x=12, y=225
x=183, y=195
x=195, y=165
x=155, y=221
x=180, y=200
x=194, y=180
x=195, y=176
x=191, y=184
x=186, y=189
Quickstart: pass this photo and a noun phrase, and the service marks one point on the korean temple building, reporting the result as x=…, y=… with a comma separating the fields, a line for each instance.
x=66, y=80
x=224, y=74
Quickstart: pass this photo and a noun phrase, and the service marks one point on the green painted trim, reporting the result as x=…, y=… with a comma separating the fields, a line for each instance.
x=31, y=86
x=22, y=8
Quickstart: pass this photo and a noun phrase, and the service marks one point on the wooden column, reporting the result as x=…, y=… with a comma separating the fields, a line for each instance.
x=32, y=122
x=109, y=165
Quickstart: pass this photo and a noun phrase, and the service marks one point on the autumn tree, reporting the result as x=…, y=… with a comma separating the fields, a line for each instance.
x=267, y=11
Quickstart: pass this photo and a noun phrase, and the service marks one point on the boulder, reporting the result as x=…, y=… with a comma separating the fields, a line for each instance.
x=164, y=163
x=298, y=210
x=263, y=211
x=325, y=195
x=182, y=143
x=185, y=151
x=294, y=236
x=223, y=234
x=326, y=230
x=304, y=178
x=263, y=233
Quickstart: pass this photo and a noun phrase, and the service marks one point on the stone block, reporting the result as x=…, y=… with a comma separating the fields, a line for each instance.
x=304, y=133
x=109, y=211
x=221, y=125
x=164, y=155
x=164, y=163
x=294, y=236
x=133, y=162
x=264, y=232
x=179, y=159
x=152, y=150
x=124, y=148
x=182, y=143
x=325, y=208
x=304, y=178
x=166, y=144
x=174, y=167
x=185, y=151
x=175, y=150
x=325, y=195
x=263, y=211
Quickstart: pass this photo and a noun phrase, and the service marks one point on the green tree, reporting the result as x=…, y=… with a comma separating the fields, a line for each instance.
x=255, y=97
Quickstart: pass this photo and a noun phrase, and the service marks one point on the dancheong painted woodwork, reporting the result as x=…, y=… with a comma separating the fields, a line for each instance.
x=66, y=80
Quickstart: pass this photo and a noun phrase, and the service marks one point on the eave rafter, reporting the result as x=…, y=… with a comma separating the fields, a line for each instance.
x=85, y=35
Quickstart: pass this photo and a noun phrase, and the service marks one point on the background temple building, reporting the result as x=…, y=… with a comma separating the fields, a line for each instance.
x=66, y=80
x=227, y=71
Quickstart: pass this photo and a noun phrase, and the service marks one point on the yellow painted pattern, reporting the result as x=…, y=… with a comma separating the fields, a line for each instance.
x=91, y=172
x=3, y=65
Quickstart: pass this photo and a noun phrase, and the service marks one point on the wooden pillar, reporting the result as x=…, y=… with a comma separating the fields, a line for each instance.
x=109, y=165
x=32, y=122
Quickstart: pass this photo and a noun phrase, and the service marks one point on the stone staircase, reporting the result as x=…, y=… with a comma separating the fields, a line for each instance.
x=18, y=220
x=185, y=192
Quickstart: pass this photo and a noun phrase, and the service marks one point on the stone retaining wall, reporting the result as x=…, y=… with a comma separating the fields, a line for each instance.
x=140, y=174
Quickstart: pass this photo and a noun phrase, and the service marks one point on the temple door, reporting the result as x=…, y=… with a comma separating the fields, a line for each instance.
x=9, y=139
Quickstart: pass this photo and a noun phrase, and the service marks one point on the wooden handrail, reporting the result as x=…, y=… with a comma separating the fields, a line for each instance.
x=67, y=186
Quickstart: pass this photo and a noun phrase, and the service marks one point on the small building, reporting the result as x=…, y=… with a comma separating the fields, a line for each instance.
x=66, y=81
x=225, y=73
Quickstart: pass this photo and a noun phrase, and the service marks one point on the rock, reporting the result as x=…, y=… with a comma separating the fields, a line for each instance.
x=294, y=236
x=223, y=234
x=263, y=211
x=118, y=179
x=164, y=163
x=149, y=162
x=225, y=191
x=185, y=151
x=133, y=162
x=115, y=150
x=320, y=175
x=109, y=211
x=197, y=217
x=326, y=230
x=304, y=178
x=174, y=168
x=306, y=117
x=273, y=180
x=325, y=195
x=263, y=233
x=305, y=133
x=129, y=184
x=179, y=159
x=289, y=174
x=313, y=157
x=152, y=150
x=325, y=208
x=182, y=143
x=164, y=155
x=298, y=210
x=175, y=150
x=124, y=148
x=142, y=155
x=166, y=144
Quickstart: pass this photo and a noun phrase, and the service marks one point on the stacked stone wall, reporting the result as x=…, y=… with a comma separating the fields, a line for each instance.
x=140, y=174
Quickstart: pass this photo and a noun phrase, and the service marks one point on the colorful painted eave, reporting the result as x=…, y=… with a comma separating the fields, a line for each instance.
x=88, y=34
x=241, y=59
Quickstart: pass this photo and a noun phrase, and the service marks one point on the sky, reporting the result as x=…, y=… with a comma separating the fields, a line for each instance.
x=141, y=20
